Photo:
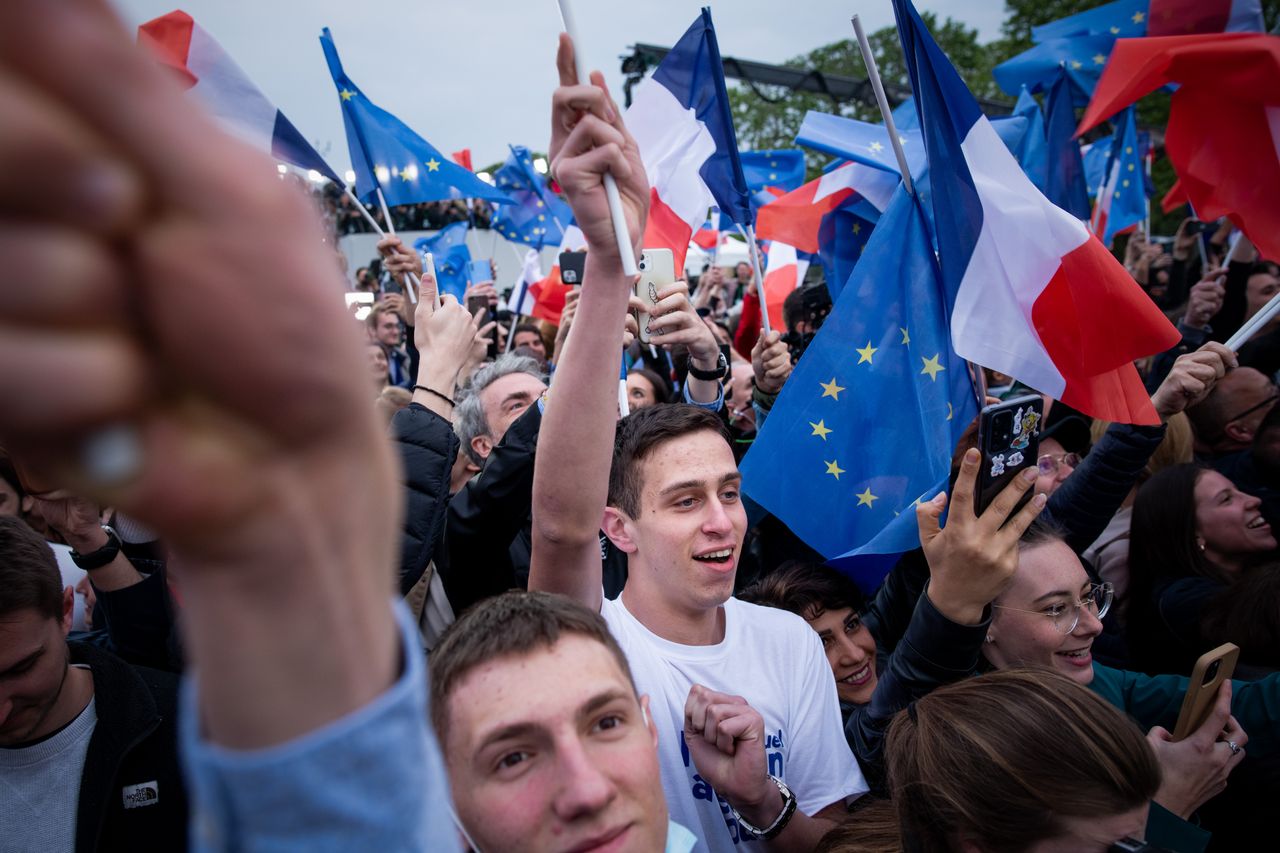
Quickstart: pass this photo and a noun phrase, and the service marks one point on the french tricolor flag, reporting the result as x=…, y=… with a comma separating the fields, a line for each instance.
x=796, y=218
x=783, y=273
x=1032, y=293
x=681, y=122
x=211, y=75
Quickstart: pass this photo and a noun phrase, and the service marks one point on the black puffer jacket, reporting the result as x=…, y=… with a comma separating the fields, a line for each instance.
x=428, y=448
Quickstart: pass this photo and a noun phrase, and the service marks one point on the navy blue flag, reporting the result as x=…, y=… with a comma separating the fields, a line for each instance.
x=1123, y=19
x=386, y=153
x=865, y=426
x=1033, y=153
x=1082, y=57
x=1066, y=184
x=538, y=217
x=451, y=257
x=782, y=168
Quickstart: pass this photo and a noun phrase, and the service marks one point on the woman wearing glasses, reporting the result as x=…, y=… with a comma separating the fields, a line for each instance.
x=1192, y=536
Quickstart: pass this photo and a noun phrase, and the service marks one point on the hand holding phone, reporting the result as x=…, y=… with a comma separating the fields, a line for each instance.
x=1009, y=439
x=657, y=271
x=1213, y=668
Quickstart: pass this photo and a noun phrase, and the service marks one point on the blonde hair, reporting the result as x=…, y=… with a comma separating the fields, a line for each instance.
x=1175, y=448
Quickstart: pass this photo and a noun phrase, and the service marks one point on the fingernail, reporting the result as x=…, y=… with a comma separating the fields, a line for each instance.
x=1030, y=474
x=971, y=455
x=108, y=192
x=1040, y=500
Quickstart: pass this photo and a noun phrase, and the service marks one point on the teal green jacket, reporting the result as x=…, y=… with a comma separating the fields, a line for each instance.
x=1155, y=700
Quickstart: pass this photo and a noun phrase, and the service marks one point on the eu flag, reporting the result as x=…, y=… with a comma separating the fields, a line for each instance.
x=783, y=168
x=860, y=141
x=451, y=257
x=1096, y=155
x=865, y=426
x=386, y=153
x=1123, y=19
x=842, y=239
x=1082, y=57
x=538, y=217
x=1033, y=152
x=1125, y=183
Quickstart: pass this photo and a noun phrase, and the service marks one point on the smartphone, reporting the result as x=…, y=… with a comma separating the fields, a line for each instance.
x=481, y=303
x=1194, y=226
x=1009, y=438
x=1213, y=668
x=572, y=265
x=481, y=271
x=657, y=271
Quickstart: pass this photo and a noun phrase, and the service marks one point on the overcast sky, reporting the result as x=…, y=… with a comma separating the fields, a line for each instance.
x=479, y=73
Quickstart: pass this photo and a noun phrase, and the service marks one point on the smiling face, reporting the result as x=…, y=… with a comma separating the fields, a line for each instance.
x=378, y=365
x=687, y=534
x=387, y=329
x=1229, y=522
x=1049, y=578
x=851, y=652
x=550, y=751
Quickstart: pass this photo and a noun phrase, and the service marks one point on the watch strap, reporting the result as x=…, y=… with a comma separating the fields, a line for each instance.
x=719, y=372
x=99, y=558
x=774, y=829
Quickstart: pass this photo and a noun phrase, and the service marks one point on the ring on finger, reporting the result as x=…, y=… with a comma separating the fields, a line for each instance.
x=1234, y=747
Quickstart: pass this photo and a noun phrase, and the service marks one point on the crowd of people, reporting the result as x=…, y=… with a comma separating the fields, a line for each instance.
x=261, y=591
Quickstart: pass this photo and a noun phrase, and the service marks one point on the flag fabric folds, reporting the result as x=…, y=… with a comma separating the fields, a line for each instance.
x=1032, y=293
x=463, y=159
x=782, y=274
x=860, y=141
x=537, y=216
x=796, y=218
x=1096, y=155
x=1081, y=58
x=866, y=424
x=213, y=76
x=451, y=256
x=1186, y=17
x=521, y=301
x=386, y=153
x=1066, y=182
x=681, y=122
x=1033, y=152
x=1122, y=19
x=841, y=242
x=782, y=168
x=1223, y=137
x=1122, y=200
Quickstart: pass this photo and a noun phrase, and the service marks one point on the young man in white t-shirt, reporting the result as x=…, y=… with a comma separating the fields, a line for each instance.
x=749, y=736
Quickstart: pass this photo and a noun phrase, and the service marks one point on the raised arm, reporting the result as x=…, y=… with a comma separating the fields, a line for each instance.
x=575, y=447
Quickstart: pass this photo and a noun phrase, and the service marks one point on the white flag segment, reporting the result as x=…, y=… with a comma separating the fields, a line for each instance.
x=783, y=273
x=521, y=300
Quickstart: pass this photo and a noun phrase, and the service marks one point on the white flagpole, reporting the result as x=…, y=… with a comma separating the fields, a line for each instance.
x=874, y=76
x=626, y=251
x=364, y=211
x=753, y=252
x=409, y=279
x=1254, y=324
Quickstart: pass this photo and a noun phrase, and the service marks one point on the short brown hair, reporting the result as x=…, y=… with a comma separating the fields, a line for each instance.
x=29, y=576
x=509, y=625
x=1044, y=747
x=376, y=312
x=639, y=433
x=806, y=589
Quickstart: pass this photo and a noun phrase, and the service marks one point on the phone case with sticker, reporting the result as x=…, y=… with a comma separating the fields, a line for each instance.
x=657, y=271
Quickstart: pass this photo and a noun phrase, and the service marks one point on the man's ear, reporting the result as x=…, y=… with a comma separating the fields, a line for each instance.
x=482, y=445
x=1238, y=432
x=617, y=526
x=68, y=608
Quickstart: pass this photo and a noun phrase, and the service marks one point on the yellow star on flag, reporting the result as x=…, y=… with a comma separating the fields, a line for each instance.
x=347, y=94
x=950, y=413
x=831, y=389
x=1138, y=17
x=865, y=353
x=1125, y=183
x=876, y=147
x=834, y=470
x=1115, y=31
x=433, y=165
x=820, y=429
x=932, y=367
x=865, y=498
x=1130, y=167
x=1099, y=59
x=773, y=176
x=906, y=339
x=542, y=217
x=1075, y=63
x=857, y=228
x=405, y=175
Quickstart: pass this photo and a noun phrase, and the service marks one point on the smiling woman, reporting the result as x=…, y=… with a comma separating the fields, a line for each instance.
x=1193, y=535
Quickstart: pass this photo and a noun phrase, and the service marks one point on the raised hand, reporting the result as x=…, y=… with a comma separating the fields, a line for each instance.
x=1206, y=299
x=588, y=139
x=725, y=736
x=397, y=258
x=1192, y=378
x=1194, y=770
x=771, y=361
x=974, y=557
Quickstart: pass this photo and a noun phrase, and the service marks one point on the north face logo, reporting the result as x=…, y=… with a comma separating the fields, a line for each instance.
x=144, y=794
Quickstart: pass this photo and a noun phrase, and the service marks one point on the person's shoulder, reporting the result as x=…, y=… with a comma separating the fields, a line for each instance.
x=774, y=622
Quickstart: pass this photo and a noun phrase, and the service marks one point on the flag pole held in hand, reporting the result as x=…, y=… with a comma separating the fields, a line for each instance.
x=753, y=252
x=410, y=282
x=625, y=250
x=874, y=76
x=1254, y=323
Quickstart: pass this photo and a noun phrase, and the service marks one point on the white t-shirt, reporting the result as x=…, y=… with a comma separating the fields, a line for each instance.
x=775, y=661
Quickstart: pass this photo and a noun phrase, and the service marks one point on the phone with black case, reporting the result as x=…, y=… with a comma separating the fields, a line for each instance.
x=1009, y=438
x=572, y=265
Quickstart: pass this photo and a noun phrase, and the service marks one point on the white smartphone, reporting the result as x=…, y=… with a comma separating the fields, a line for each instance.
x=657, y=271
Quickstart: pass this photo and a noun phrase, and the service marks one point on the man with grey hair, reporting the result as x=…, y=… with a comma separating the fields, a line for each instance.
x=497, y=394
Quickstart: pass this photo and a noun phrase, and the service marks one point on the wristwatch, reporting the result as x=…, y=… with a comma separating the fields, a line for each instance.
x=99, y=558
x=720, y=372
x=774, y=829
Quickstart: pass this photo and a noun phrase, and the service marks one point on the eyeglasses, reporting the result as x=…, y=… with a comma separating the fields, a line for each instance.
x=1249, y=411
x=1049, y=464
x=1066, y=617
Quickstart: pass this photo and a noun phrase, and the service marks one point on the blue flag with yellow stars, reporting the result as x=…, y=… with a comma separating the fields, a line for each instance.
x=538, y=217
x=841, y=241
x=865, y=427
x=1124, y=19
x=451, y=257
x=1124, y=183
x=782, y=168
x=1082, y=57
x=386, y=153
